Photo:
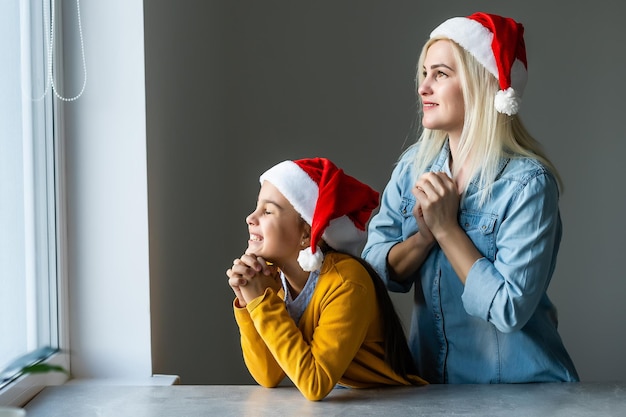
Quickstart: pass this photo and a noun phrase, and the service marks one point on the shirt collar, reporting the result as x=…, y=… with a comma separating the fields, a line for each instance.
x=442, y=159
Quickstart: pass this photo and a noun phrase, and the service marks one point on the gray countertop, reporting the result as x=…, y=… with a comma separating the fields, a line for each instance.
x=557, y=399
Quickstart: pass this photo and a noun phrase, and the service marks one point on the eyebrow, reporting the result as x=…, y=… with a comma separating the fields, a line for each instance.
x=435, y=66
x=265, y=201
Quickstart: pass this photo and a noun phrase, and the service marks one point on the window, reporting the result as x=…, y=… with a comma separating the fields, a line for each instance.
x=31, y=326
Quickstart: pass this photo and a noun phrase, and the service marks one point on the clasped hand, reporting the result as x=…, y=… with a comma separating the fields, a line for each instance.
x=250, y=276
x=437, y=204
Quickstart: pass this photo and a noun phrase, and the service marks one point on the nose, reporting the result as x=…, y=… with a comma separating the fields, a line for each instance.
x=424, y=87
x=251, y=219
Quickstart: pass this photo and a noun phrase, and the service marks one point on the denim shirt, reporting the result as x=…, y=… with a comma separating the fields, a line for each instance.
x=500, y=327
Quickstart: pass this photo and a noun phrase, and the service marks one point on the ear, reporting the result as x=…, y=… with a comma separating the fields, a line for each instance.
x=306, y=235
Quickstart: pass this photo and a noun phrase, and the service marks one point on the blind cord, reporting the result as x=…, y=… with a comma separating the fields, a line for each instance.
x=50, y=83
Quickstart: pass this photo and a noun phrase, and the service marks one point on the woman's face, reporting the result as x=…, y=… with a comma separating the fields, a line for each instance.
x=440, y=91
x=276, y=229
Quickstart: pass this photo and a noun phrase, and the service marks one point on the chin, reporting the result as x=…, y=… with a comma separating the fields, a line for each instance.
x=431, y=126
x=254, y=248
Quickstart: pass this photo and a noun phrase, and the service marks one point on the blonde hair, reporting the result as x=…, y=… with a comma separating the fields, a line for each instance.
x=487, y=135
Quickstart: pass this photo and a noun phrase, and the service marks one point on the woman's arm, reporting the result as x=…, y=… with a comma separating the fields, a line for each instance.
x=394, y=246
x=406, y=257
x=506, y=292
x=438, y=200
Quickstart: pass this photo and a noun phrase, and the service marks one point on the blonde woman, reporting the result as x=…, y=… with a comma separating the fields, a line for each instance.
x=470, y=216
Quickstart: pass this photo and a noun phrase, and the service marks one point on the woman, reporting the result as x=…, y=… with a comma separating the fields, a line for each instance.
x=306, y=306
x=470, y=216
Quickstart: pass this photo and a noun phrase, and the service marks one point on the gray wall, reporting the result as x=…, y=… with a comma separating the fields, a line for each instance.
x=233, y=87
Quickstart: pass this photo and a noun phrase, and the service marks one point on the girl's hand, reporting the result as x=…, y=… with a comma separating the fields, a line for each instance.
x=250, y=276
x=235, y=280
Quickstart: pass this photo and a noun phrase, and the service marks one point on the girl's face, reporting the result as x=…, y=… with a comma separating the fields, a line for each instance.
x=440, y=91
x=276, y=229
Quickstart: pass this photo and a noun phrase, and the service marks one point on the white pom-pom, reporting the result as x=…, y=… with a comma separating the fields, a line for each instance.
x=311, y=261
x=507, y=101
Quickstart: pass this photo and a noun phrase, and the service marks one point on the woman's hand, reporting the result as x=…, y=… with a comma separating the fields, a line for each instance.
x=249, y=276
x=418, y=213
x=437, y=202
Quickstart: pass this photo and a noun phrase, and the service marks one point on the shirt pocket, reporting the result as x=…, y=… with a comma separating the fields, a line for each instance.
x=406, y=207
x=480, y=228
x=405, y=210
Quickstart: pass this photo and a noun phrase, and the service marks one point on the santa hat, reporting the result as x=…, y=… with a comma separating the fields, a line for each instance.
x=497, y=43
x=336, y=205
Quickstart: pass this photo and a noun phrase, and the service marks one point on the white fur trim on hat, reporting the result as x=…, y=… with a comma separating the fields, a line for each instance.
x=295, y=185
x=473, y=37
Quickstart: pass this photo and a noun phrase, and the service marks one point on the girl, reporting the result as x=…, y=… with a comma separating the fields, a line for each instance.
x=307, y=307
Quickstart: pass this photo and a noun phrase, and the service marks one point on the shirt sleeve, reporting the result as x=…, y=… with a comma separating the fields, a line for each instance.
x=391, y=226
x=257, y=357
x=507, y=291
x=316, y=366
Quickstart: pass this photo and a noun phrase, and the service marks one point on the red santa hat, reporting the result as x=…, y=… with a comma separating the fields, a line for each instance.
x=497, y=43
x=335, y=205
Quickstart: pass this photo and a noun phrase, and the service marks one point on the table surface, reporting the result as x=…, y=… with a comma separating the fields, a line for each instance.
x=554, y=399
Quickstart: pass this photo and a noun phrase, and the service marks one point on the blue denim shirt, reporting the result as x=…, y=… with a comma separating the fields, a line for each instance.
x=500, y=327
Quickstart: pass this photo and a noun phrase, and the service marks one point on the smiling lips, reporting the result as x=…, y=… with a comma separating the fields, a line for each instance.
x=255, y=238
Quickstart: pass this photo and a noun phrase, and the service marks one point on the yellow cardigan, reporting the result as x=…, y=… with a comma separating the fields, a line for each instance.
x=339, y=338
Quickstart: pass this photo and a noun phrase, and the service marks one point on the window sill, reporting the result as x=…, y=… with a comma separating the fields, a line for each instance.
x=147, y=381
x=23, y=389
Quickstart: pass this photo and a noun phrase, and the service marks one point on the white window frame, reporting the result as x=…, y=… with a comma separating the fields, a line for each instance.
x=113, y=345
x=22, y=389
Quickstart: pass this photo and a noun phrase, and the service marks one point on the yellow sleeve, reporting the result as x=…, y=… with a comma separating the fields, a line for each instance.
x=258, y=359
x=346, y=311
